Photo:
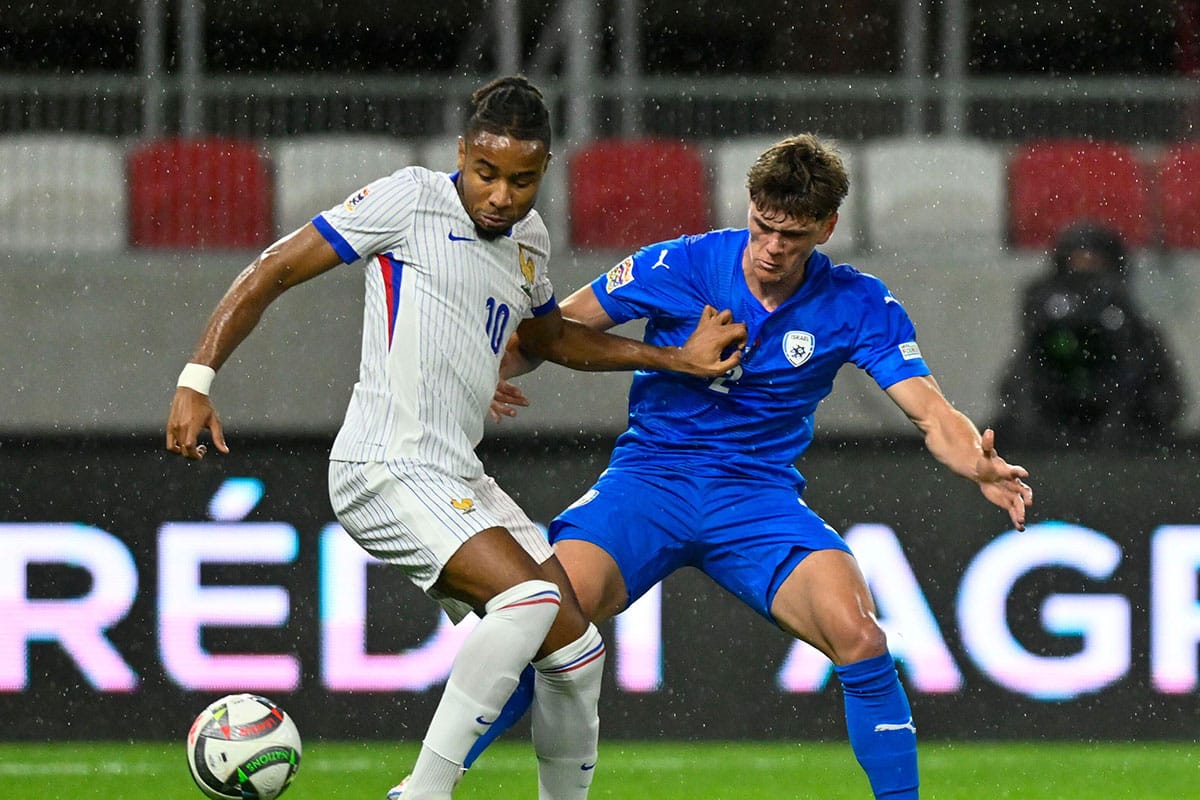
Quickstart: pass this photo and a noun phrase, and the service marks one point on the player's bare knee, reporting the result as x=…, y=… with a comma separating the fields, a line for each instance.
x=600, y=598
x=866, y=640
x=613, y=603
x=568, y=626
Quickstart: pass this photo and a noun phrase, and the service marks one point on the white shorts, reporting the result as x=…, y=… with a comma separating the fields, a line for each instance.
x=416, y=517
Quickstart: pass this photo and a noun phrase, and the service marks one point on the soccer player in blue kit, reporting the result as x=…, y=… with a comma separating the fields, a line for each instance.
x=704, y=475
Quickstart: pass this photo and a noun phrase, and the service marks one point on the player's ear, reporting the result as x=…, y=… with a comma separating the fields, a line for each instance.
x=462, y=153
x=830, y=224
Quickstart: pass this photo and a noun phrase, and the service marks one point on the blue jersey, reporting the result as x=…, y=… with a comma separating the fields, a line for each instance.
x=758, y=418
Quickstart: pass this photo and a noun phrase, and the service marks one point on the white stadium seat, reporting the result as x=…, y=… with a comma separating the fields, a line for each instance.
x=931, y=191
x=313, y=173
x=438, y=152
x=62, y=193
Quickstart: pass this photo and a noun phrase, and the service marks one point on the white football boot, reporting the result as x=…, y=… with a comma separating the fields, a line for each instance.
x=397, y=791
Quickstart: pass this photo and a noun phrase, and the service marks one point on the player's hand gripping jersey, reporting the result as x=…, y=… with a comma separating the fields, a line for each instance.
x=441, y=303
x=759, y=416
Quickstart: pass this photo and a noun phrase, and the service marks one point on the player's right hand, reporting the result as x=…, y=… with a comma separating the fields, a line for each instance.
x=506, y=397
x=715, y=334
x=192, y=412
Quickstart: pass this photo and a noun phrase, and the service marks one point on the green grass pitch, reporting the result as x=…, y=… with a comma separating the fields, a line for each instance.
x=651, y=770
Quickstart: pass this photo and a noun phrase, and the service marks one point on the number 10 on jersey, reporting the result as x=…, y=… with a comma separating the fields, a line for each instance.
x=497, y=323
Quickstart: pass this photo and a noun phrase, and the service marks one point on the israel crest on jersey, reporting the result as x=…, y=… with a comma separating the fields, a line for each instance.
x=798, y=346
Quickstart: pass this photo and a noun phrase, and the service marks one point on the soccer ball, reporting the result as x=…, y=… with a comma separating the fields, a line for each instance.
x=243, y=747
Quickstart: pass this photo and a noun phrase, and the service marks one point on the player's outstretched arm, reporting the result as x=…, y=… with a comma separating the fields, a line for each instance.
x=583, y=345
x=956, y=442
x=582, y=307
x=292, y=260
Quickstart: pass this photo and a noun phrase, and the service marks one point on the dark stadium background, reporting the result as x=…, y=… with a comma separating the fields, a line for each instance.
x=684, y=37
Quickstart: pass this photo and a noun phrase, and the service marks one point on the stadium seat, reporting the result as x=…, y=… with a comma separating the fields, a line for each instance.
x=1177, y=189
x=932, y=191
x=1054, y=182
x=552, y=199
x=438, y=152
x=731, y=159
x=62, y=192
x=624, y=193
x=313, y=173
x=200, y=193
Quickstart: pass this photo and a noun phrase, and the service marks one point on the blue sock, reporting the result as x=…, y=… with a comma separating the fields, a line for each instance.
x=879, y=721
x=514, y=709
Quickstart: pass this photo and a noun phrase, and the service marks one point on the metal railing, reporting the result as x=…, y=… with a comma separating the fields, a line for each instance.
x=1143, y=111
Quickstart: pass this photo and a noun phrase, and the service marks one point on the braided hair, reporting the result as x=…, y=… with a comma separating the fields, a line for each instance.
x=510, y=106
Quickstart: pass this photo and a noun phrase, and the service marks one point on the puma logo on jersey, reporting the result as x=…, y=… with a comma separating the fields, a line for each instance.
x=661, y=261
x=466, y=505
x=891, y=726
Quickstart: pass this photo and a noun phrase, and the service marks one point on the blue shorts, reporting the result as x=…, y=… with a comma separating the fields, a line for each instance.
x=746, y=534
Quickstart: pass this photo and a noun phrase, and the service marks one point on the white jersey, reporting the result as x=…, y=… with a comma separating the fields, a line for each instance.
x=441, y=303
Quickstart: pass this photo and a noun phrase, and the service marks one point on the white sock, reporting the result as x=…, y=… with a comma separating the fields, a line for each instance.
x=438, y=777
x=566, y=725
x=485, y=672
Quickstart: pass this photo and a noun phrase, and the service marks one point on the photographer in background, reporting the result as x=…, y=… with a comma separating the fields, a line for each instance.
x=1089, y=365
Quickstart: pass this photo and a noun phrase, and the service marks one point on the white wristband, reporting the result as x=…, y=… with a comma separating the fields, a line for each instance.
x=197, y=377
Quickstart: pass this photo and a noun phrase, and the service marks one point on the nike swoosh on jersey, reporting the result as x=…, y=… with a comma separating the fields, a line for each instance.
x=587, y=767
x=454, y=238
x=483, y=721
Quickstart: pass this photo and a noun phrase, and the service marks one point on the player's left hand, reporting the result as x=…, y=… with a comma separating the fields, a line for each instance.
x=715, y=334
x=503, y=401
x=1003, y=483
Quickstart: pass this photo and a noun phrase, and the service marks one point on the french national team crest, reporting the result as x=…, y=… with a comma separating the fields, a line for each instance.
x=528, y=269
x=798, y=346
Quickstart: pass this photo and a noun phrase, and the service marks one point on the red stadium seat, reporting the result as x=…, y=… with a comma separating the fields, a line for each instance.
x=1052, y=183
x=629, y=192
x=1178, y=191
x=204, y=193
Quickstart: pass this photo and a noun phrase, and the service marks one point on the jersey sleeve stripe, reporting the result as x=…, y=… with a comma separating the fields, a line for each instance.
x=546, y=307
x=392, y=271
x=340, y=245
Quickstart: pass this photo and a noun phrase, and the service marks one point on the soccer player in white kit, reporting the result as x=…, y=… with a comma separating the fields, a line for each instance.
x=453, y=264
